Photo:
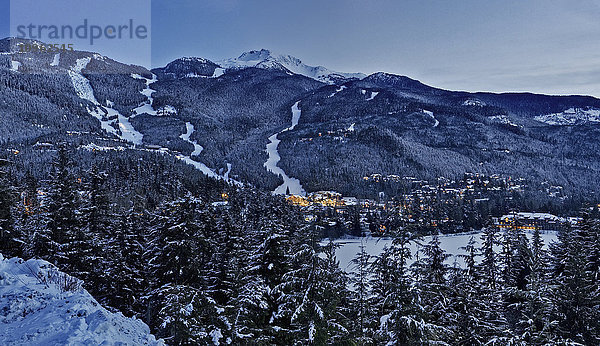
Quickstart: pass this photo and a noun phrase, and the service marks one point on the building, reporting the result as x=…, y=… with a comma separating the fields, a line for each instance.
x=531, y=221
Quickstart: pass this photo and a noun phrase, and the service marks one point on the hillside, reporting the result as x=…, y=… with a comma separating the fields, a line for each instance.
x=400, y=126
x=40, y=305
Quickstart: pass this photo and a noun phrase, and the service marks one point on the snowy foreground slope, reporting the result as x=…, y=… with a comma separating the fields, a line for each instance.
x=35, y=310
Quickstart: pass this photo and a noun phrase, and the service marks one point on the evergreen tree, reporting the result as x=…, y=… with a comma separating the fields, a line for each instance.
x=66, y=236
x=10, y=241
x=489, y=263
x=313, y=297
x=536, y=325
x=177, y=243
x=126, y=278
x=359, y=279
x=187, y=316
x=576, y=292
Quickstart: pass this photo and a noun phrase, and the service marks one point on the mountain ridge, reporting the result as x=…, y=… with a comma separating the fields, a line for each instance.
x=402, y=125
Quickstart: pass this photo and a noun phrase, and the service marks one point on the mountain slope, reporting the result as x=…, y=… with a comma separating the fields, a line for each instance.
x=403, y=127
x=399, y=125
x=41, y=306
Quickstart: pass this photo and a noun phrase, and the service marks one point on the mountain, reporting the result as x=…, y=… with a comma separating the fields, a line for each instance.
x=42, y=306
x=225, y=118
x=267, y=59
x=192, y=67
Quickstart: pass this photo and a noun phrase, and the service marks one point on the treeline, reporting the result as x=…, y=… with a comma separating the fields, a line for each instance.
x=253, y=272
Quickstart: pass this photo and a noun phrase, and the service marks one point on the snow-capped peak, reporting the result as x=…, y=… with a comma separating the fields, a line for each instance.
x=255, y=55
x=267, y=59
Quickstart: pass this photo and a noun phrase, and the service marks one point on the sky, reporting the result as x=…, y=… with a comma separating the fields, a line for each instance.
x=544, y=46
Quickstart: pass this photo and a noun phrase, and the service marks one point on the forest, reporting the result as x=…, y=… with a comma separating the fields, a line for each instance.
x=252, y=271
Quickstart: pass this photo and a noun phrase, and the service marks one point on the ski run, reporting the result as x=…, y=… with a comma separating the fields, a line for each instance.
x=290, y=185
x=84, y=91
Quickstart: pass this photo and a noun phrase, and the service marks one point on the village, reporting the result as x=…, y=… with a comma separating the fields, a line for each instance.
x=442, y=205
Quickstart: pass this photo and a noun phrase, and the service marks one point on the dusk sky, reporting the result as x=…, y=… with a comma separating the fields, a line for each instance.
x=546, y=46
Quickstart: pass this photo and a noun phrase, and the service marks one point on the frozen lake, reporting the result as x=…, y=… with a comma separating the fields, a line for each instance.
x=451, y=243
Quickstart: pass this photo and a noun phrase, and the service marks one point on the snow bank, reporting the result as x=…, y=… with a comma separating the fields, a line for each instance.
x=34, y=310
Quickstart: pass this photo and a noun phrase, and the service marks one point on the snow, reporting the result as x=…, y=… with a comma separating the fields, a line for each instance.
x=80, y=83
x=186, y=137
x=473, y=102
x=540, y=216
x=430, y=114
x=37, y=311
x=295, y=115
x=146, y=107
x=270, y=60
x=311, y=331
x=216, y=336
x=218, y=72
x=56, y=60
x=84, y=91
x=373, y=94
x=226, y=175
x=197, y=150
x=167, y=110
x=571, y=116
x=293, y=184
x=503, y=119
x=95, y=147
x=199, y=165
x=128, y=132
x=14, y=65
x=450, y=243
x=337, y=91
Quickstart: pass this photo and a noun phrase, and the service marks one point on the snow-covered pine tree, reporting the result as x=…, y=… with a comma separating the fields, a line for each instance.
x=473, y=311
x=489, y=262
x=270, y=261
x=433, y=290
x=97, y=227
x=67, y=239
x=10, y=241
x=27, y=213
x=335, y=297
x=188, y=316
x=312, y=297
x=576, y=294
x=470, y=258
x=394, y=297
x=127, y=275
x=359, y=279
x=177, y=244
x=536, y=325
